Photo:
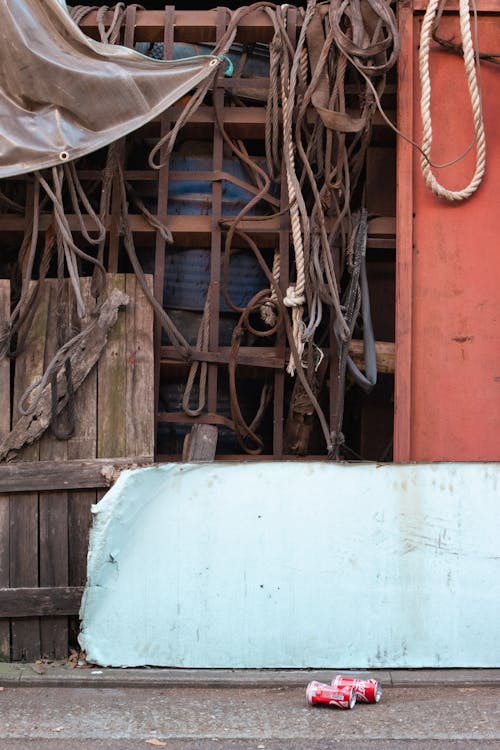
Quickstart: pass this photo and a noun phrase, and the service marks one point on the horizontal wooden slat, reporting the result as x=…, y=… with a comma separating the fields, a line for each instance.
x=63, y=475
x=190, y=26
x=40, y=602
x=179, y=417
x=385, y=355
x=257, y=356
x=200, y=227
x=260, y=356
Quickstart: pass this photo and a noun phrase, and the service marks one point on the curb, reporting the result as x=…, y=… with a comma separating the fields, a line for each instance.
x=28, y=675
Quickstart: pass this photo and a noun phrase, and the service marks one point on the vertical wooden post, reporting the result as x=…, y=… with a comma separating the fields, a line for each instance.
x=115, y=228
x=404, y=240
x=162, y=211
x=216, y=237
x=4, y=499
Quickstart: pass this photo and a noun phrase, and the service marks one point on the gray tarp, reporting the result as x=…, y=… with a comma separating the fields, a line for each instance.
x=63, y=95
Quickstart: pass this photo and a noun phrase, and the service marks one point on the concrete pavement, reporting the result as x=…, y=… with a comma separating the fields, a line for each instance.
x=458, y=715
x=243, y=718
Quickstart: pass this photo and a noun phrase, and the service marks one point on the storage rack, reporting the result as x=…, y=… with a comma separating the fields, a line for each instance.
x=170, y=26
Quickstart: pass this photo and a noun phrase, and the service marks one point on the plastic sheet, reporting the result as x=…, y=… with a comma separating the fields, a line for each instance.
x=63, y=95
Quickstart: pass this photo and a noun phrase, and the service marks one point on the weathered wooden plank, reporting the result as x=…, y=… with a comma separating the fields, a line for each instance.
x=260, y=356
x=190, y=26
x=4, y=499
x=24, y=547
x=53, y=506
x=54, y=568
x=82, y=445
x=200, y=444
x=112, y=385
x=68, y=475
x=40, y=602
x=139, y=411
x=253, y=356
x=186, y=229
x=385, y=351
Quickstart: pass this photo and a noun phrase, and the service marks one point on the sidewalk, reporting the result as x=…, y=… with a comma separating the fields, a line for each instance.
x=62, y=675
x=235, y=718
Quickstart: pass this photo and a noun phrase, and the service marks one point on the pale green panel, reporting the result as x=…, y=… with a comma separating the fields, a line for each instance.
x=296, y=565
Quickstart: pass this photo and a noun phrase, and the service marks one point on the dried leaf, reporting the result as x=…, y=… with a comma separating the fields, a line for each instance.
x=156, y=743
x=38, y=667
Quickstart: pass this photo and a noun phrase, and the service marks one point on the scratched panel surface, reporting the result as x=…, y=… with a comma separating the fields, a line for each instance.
x=296, y=565
x=456, y=270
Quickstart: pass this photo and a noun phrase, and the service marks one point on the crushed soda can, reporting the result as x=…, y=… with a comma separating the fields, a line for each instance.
x=342, y=697
x=367, y=691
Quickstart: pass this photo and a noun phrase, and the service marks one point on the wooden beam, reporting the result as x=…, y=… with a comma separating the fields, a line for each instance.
x=261, y=356
x=40, y=602
x=193, y=26
x=381, y=229
x=64, y=475
x=384, y=351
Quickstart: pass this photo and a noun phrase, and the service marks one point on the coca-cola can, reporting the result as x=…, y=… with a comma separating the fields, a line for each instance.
x=367, y=691
x=342, y=697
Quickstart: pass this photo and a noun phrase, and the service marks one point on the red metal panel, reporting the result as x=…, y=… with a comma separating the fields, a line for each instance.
x=448, y=332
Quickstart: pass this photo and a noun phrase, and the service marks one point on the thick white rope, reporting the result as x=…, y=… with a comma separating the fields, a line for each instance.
x=425, y=104
x=295, y=293
x=295, y=297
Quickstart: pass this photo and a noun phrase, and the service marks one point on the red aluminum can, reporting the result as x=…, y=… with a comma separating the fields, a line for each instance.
x=367, y=691
x=342, y=697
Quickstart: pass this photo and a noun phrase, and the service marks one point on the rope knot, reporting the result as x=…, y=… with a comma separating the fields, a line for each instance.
x=293, y=299
x=268, y=314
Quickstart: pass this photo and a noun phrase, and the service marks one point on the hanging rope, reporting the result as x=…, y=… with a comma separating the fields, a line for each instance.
x=475, y=98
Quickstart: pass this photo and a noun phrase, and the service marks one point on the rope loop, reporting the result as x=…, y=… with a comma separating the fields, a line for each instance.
x=469, y=57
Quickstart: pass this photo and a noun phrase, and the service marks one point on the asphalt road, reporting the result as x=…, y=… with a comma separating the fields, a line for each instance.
x=417, y=718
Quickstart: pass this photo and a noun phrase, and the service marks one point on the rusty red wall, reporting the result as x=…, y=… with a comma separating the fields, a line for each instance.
x=448, y=299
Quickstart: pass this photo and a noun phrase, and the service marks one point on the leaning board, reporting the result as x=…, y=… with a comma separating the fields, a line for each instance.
x=296, y=565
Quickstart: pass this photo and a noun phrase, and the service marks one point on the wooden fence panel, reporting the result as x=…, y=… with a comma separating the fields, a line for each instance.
x=45, y=513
